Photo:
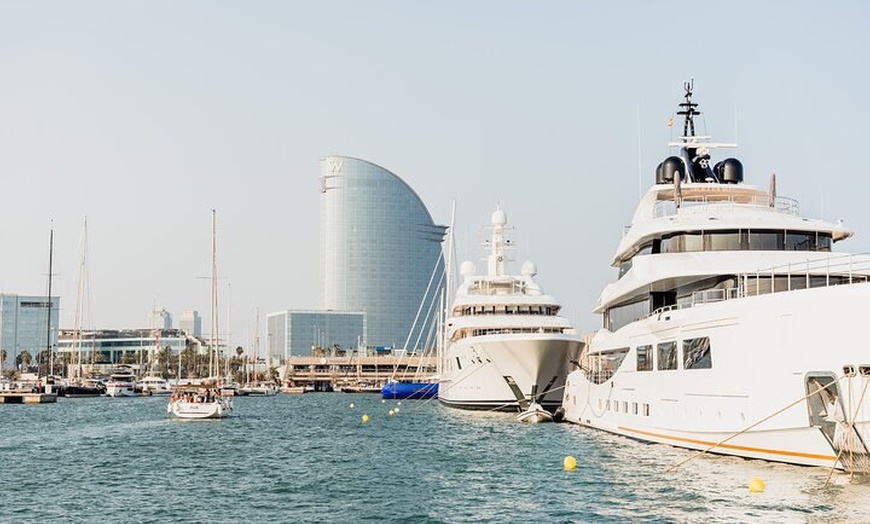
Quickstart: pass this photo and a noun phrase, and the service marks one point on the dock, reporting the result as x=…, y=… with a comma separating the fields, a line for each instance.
x=338, y=371
x=26, y=397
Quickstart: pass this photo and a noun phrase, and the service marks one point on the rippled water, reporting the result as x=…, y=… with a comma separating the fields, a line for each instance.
x=310, y=458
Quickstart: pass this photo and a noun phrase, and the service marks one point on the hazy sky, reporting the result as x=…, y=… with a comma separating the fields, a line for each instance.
x=143, y=116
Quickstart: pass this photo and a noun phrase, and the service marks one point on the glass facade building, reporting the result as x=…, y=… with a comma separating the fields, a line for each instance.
x=110, y=345
x=23, y=326
x=297, y=332
x=380, y=251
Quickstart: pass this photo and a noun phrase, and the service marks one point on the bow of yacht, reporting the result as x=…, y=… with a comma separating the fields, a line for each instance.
x=506, y=344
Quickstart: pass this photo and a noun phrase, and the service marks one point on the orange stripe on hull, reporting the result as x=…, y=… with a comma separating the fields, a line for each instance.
x=780, y=452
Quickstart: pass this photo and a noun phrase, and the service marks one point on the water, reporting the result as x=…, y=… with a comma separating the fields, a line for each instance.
x=310, y=458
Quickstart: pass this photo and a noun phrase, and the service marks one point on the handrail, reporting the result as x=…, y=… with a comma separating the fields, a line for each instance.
x=833, y=270
x=698, y=203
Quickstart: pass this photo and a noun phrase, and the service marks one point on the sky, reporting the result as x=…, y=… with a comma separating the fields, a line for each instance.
x=145, y=116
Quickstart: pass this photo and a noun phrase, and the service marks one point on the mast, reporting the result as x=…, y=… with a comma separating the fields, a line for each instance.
x=48, y=304
x=80, y=290
x=214, y=358
x=447, y=293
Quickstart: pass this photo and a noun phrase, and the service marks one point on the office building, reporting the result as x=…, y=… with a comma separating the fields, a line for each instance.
x=312, y=332
x=24, y=327
x=191, y=323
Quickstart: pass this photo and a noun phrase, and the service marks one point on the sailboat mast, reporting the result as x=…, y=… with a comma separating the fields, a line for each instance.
x=77, y=331
x=48, y=304
x=214, y=365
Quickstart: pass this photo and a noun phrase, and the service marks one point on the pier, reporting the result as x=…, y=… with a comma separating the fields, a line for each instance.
x=26, y=397
x=347, y=370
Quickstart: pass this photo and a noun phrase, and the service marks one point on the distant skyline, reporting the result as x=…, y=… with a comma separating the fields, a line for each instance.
x=143, y=116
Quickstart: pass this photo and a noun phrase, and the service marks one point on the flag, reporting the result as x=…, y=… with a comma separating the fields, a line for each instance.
x=671, y=121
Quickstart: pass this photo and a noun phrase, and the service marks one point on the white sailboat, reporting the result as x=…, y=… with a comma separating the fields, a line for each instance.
x=197, y=402
x=732, y=327
x=506, y=345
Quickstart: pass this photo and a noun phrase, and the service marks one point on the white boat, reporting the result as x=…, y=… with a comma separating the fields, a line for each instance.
x=505, y=343
x=267, y=389
x=732, y=327
x=204, y=401
x=154, y=385
x=122, y=383
x=199, y=402
x=535, y=414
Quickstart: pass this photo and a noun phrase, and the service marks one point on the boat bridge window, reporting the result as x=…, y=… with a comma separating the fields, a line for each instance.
x=732, y=240
x=619, y=316
x=644, y=358
x=745, y=240
x=536, y=309
x=696, y=353
x=667, y=355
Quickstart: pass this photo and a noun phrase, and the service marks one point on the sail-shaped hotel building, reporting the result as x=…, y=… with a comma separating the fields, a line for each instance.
x=379, y=249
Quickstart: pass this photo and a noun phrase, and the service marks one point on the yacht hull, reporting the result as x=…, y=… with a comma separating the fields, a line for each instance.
x=218, y=408
x=787, y=382
x=121, y=390
x=502, y=372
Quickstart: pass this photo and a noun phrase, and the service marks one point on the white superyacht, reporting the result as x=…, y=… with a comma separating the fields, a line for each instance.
x=732, y=327
x=505, y=344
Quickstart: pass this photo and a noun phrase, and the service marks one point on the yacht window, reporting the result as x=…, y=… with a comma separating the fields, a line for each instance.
x=696, y=353
x=619, y=316
x=634, y=408
x=646, y=410
x=667, y=357
x=605, y=363
x=624, y=267
x=644, y=358
x=724, y=241
x=823, y=242
x=693, y=242
x=765, y=240
x=800, y=241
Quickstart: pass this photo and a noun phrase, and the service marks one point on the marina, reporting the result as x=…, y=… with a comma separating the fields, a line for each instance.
x=489, y=263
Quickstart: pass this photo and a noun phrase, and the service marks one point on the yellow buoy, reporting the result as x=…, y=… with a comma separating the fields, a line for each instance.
x=351, y=405
x=756, y=485
x=365, y=418
x=570, y=463
x=396, y=409
x=392, y=412
x=383, y=401
x=399, y=403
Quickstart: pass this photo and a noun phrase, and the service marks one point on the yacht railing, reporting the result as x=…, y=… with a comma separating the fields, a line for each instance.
x=719, y=202
x=834, y=270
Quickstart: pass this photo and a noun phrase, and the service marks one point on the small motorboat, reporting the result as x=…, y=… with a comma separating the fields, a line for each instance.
x=534, y=414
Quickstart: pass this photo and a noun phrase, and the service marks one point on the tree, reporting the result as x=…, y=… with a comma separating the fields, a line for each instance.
x=164, y=361
x=23, y=358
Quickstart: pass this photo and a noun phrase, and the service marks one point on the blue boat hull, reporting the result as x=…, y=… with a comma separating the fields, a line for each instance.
x=402, y=390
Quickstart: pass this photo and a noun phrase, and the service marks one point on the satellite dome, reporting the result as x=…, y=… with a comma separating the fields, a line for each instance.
x=499, y=218
x=529, y=269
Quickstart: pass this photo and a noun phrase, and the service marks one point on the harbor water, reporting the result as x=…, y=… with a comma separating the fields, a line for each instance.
x=311, y=458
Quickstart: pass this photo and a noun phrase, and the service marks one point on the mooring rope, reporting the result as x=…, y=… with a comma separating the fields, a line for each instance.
x=744, y=430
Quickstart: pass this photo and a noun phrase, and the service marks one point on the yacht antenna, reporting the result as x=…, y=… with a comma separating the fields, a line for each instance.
x=689, y=110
